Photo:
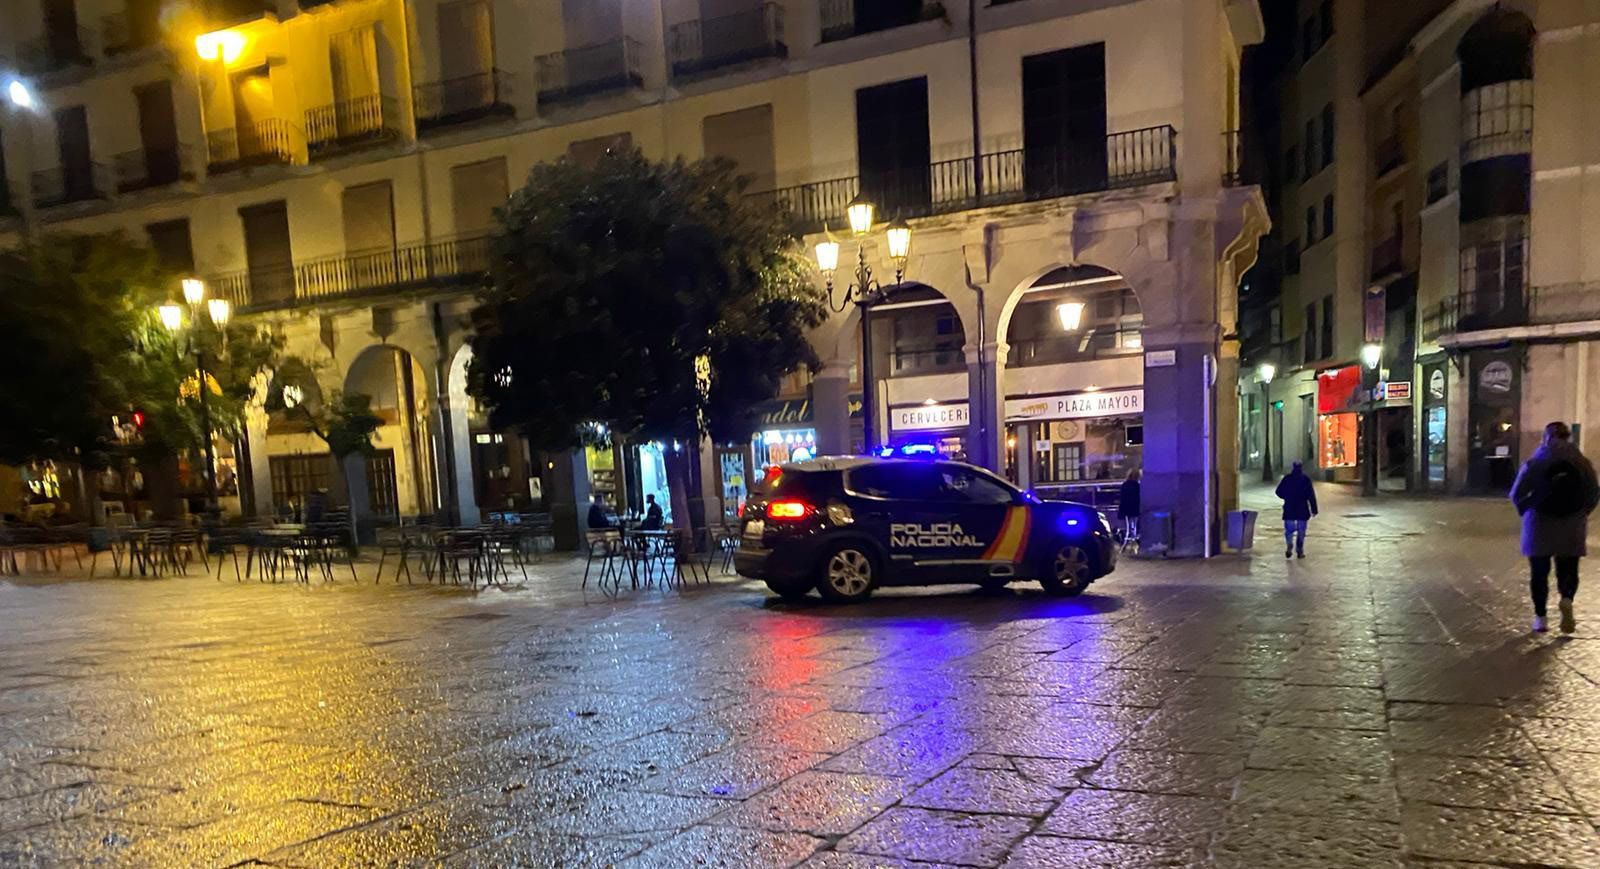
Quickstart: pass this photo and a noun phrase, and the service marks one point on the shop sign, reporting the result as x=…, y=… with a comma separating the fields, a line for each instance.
x=928, y=417
x=1399, y=390
x=784, y=414
x=1495, y=377
x=1436, y=383
x=1077, y=405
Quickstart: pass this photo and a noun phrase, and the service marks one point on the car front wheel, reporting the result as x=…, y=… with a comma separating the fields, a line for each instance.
x=849, y=573
x=1069, y=573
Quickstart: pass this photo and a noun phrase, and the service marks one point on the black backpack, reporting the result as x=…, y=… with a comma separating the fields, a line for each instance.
x=1560, y=492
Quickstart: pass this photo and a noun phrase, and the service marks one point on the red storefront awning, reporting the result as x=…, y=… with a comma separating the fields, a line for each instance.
x=1336, y=389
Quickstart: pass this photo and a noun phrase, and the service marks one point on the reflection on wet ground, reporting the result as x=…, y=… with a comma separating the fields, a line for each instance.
x=1377, y=704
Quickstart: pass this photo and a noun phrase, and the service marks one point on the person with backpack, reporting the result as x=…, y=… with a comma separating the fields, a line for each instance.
x=1299, y=505
x=1554, y=493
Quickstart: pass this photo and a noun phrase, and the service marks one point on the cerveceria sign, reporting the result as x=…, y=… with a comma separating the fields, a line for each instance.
x=1075, y=405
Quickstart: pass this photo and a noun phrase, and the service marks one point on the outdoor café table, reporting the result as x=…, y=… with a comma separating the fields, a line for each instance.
x=267, y=545
x=651, y=546
x=136, y=547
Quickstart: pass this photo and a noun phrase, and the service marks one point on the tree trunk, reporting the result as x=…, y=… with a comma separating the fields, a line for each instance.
x=680, y=479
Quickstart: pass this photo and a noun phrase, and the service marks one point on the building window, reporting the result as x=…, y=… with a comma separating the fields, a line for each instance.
x=1494, y=275
x=1327, y=215
x=295, y=477
x=170, y=240
x=1291, y=163
x=1327, y=135
x=1310, y=345
x=1291, y=257
x=1327, y=326
x=1438, y=182
x=1311, y=225
x=1311, y=147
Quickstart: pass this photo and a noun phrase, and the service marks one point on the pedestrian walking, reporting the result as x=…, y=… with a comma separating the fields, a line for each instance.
x=1554, y=494
x=1299, y=505
x=1128, y=507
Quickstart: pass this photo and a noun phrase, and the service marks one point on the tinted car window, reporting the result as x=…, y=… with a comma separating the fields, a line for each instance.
x=961, y=484
x=899, y=481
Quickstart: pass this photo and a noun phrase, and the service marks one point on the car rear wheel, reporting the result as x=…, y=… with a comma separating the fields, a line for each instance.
x=848, y=574
x=1069, y=573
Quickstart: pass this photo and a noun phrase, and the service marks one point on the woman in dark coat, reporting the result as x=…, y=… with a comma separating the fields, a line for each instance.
x=1555, y=492
x=1128, y=506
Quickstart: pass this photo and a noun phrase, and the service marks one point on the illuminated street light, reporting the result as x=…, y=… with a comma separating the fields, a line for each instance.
x=19, y=95
x=220, y=311
x=1071, y=315
x=1371, y=355
x=860, y=211
x=172, y=316
x=865, y=291
x=223, y=45
x=1266, y=372
x=194, y=290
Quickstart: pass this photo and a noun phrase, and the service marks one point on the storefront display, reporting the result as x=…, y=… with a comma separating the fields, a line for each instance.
x=776, y=447
x=1434, y=426
x=1338, y=438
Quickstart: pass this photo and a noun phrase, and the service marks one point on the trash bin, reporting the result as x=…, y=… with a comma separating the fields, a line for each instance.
x=1155, y=533
x=1242, y=529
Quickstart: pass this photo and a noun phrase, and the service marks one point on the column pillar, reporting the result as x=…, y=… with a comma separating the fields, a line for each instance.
x=1227, y=428
x=1180, y=433
x=450, y=428
x=986, y=405
x=830, y=406
x=260, y=478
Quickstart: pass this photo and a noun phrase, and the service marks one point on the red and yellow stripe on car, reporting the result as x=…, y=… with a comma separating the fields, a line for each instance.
x=1012, y=541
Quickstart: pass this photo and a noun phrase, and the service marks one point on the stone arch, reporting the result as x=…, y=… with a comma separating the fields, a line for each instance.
x=403, y=396
x=1079, y=283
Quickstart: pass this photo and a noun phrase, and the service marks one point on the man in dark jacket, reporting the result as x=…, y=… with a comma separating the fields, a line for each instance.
x=1299, y=505
x=1555, y=492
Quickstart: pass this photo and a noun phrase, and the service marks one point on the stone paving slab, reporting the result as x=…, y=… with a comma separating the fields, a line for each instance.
x=1377, y=704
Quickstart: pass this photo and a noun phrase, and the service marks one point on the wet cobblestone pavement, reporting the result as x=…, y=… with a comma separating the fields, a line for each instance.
x=1379, y=704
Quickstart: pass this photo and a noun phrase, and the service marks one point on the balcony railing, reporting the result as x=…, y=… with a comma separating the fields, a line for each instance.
x=1497, y=121
x=121, y=33
x=455, y=261
x=349, y=123
x=1232, y=159
x=592, y=69
x=54, y=52
x=151, y=167
x=462, y=99
x=260, y=144
x=60, y=186
x=1129, y=159
x=706, y=44
x=1388, y=156
x=1548, y=305
x=840, y=21
x=1386, y=258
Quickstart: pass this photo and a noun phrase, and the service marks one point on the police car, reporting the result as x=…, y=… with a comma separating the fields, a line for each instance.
x=846, y=526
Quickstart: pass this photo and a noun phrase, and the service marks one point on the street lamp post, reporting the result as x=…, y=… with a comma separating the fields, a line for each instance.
x=865, y=292
x=1266, y=372
x=1371, y=360
x=218, y=311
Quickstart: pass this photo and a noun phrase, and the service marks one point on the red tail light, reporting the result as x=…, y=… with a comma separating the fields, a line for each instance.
x=788, y=508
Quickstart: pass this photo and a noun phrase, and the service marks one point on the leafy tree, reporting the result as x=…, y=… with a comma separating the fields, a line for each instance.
x=653, y=298
x=79, y=311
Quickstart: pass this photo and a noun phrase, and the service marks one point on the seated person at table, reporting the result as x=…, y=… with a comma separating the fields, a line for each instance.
x=598, y=517
x=653, y=520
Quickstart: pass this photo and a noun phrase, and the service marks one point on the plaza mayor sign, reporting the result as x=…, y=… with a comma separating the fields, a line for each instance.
x=1077, y=405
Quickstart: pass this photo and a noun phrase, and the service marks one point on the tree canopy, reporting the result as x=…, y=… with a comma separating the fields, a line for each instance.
x=652, y=297
x=83, y=344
